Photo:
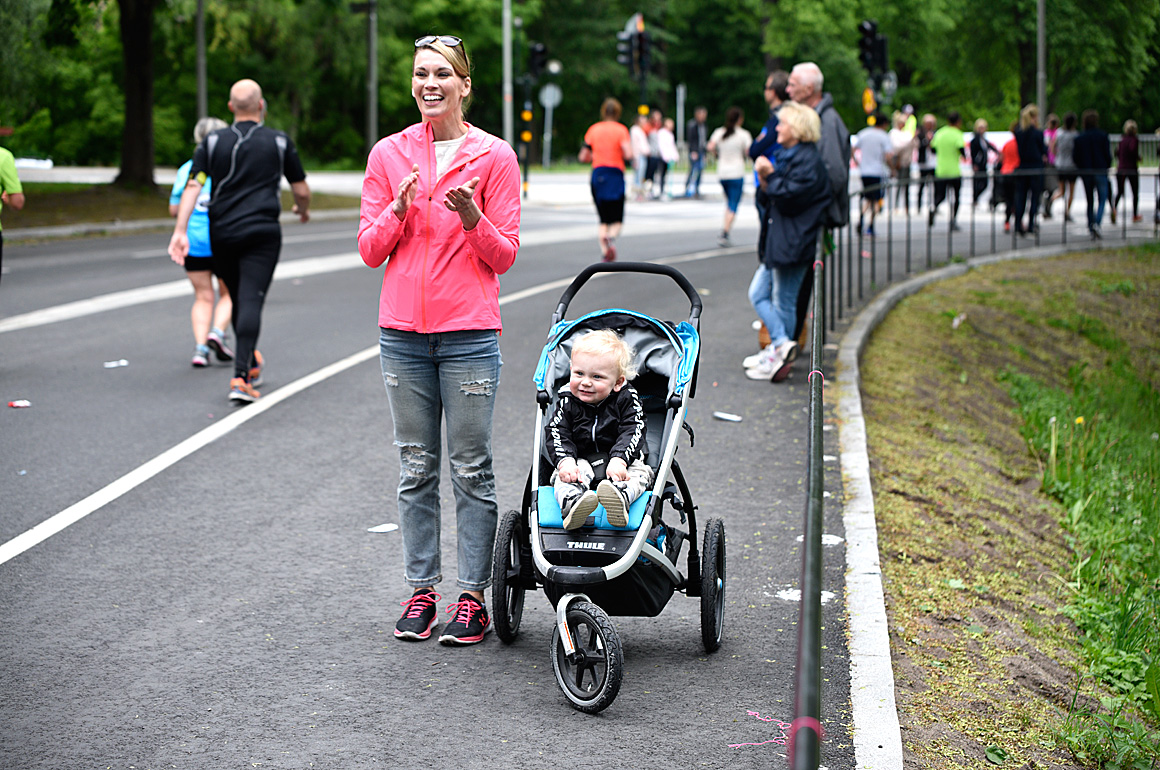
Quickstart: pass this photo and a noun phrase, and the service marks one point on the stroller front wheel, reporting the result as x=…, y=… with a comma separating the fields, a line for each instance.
x=590, y=677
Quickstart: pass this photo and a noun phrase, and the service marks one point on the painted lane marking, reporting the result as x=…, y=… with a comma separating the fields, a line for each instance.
x=171, y=456
x=297, y=268
x=74, y=513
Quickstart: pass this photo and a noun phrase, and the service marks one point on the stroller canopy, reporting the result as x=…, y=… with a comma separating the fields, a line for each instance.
x=663, y=350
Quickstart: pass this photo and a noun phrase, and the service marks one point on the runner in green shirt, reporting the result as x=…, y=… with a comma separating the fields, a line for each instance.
x=950, y=148
x=11, y=193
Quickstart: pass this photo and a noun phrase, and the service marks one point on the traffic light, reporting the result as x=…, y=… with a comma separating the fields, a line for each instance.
x=626, y=52
x=632, y=46
x=537, y=59
x=881, y=57
x=868, y=31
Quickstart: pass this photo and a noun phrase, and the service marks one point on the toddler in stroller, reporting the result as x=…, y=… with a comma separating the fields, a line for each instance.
x=597, y=433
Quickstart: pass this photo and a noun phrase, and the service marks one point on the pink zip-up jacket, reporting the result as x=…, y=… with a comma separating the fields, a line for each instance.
x=439, y=277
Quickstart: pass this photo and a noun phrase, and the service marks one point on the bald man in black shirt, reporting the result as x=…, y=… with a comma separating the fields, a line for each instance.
x=246, y=162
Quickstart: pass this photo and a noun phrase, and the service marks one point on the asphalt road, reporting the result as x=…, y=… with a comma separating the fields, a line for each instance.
x=232, y=610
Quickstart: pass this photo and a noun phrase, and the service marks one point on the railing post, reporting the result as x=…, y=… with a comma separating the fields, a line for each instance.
x=806, y=730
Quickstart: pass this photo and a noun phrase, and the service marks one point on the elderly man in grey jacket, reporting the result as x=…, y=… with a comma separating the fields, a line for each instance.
x=805, y=87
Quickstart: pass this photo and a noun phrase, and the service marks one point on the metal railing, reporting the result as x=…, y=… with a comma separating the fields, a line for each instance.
x=805, y=738
x=907, y=238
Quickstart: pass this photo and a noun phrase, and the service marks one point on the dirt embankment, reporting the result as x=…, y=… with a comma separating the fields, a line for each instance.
x=973, y=557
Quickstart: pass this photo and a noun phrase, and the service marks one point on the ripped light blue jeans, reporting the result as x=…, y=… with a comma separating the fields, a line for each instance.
x=430, y=377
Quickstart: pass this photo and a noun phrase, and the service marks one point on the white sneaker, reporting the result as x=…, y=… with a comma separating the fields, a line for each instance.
x=766, y=367
x=615, y=503
x=581, y=508
x=755, y=359
x=789, y=351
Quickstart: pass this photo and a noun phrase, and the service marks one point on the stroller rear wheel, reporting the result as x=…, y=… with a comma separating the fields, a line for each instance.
x=590, y=678
x=507, y=592
x=713, y=585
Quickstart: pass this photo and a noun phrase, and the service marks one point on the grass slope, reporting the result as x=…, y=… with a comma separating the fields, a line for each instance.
x=974, y=559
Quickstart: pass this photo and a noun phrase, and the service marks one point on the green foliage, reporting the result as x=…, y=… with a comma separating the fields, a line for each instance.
x=1110, y=739
x=1098, y=444
x=976, y=56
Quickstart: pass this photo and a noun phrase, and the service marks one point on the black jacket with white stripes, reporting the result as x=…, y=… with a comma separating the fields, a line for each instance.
x=615, y=426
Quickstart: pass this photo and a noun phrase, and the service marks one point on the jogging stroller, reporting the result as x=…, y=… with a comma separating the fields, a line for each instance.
x=600, y=570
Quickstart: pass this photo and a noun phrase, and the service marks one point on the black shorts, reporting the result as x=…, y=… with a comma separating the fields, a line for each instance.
x=1068, y=176
x=196, y=264
x=872, y=188
x=611, y=212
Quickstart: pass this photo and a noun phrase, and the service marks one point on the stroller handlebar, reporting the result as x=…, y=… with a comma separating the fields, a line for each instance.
x=630, y=267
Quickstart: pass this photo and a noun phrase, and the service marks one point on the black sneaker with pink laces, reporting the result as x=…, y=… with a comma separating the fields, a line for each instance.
x=469, y=621
x=419, y=616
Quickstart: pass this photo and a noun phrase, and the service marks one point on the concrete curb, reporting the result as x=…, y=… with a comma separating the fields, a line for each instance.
x=877, y=732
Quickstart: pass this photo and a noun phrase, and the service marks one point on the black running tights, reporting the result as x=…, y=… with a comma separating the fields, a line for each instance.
x=246, y=267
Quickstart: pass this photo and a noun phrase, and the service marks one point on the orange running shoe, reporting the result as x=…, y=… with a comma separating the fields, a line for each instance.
x=242, y=392
x=256, y=370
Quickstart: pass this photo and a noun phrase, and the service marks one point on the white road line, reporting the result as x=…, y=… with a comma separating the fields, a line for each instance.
x=296, y=268
x=143, y=473
x=299, y=268
x=206, y=436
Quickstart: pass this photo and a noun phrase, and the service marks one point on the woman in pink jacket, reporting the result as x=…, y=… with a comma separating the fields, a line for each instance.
x=441, y=207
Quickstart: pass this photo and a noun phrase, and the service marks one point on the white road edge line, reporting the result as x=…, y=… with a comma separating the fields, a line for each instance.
x=208, y=435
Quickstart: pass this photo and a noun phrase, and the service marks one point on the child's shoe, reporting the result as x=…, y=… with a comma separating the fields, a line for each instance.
x=578, y=509
x=615, y=502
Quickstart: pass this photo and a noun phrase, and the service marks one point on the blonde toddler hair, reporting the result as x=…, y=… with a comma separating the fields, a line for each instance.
x=608, y=344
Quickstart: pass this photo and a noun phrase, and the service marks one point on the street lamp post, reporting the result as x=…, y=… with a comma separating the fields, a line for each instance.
x=1041, y=58
x=372, y=75
x=508, y=123
x=372, y=120
x=199, y=37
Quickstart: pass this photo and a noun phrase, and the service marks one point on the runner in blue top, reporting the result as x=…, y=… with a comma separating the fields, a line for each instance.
x=208, y=321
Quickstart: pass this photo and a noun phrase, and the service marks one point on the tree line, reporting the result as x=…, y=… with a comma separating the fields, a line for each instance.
x=73, y=69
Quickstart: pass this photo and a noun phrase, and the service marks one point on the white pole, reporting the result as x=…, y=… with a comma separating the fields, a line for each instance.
x=548, y=136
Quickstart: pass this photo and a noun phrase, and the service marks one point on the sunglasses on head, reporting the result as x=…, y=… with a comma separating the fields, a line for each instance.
x=447, y=40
